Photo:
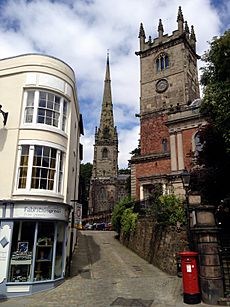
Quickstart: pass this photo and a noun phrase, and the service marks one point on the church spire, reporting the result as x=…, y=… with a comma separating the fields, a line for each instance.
x=107, y=122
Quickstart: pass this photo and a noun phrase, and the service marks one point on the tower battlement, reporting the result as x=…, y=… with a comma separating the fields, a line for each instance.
x=181, y=33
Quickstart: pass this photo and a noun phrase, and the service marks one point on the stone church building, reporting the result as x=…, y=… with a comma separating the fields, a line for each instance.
x=107, y=187
x=169, y=110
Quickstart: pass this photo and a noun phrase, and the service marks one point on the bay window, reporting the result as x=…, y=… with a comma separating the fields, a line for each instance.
x=46, y=108
x=40, y=167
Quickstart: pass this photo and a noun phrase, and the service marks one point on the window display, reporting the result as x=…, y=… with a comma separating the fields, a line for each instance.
x=21, y=256
x=44, y=251
x=36, y=240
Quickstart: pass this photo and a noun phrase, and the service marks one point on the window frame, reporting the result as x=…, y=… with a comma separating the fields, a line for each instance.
x=59, y=173
x=162, y=62
x=63, y=117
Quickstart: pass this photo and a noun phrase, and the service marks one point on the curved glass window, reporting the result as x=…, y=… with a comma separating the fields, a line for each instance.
x=40, y=167
x=46, y=108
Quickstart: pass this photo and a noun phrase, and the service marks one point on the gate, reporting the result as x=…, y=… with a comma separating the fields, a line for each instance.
x=223, y=219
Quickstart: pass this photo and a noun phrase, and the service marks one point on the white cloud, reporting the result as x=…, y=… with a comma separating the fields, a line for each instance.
x=79, y=32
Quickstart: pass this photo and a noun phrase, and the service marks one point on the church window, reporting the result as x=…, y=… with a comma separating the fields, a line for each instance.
x=104, y=153
x=164, y=145
x=102, y=194
x=162, y=62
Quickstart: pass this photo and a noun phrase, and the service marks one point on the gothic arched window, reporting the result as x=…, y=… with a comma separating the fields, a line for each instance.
x=104, y=153
x=102, y=194
x=162, y=62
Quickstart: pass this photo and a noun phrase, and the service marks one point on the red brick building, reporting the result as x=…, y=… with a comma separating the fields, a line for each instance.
x=169, y=110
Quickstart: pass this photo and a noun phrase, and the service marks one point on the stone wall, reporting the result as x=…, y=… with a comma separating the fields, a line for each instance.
x=157, y=245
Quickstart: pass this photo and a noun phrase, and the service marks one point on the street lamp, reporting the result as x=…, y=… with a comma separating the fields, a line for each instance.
x=185, y=176
x=186, y=180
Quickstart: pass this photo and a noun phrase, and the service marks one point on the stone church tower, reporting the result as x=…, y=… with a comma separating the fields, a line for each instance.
x=168, y=116
x=106, y=186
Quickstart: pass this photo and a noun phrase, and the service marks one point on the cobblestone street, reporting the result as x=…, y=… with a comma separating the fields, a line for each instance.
x=105, y=273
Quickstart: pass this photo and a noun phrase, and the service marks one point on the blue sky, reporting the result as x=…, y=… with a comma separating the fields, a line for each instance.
x=79, y=32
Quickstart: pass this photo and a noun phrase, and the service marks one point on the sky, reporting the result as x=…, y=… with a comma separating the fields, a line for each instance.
x=80, y=32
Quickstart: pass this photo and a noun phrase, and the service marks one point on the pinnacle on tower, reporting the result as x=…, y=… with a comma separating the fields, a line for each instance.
x=142, y=37
x=193, y=38
x=141, y=31
x=160, y=28
x=180, y=20
x=186, y=29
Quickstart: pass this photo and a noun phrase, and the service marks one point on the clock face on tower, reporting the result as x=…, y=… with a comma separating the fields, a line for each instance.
x=161, y=85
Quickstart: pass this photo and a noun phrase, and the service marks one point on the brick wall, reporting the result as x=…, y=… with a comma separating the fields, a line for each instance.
x=157, y=246
x=151, y=168
x=187, y=146
x=153, y=131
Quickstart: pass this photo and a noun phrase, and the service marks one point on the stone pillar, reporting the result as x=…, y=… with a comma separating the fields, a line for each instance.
x=205, y=234
x=173, y=152
x=180, y=151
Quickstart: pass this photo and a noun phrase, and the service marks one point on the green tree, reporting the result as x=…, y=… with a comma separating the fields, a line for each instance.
x=216, y=82
x=210, y=178
x=84, y=184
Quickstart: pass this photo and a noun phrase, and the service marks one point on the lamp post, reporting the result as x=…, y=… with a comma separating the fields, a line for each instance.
x=185, y=176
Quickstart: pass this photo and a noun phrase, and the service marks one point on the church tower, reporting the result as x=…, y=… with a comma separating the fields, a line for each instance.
x=168, y=86
x=106, y=186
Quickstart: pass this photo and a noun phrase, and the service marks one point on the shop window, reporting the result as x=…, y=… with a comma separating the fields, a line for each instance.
x=162, y=62
x=44, y=251
x=20, y=269
x=46, y=108
x=32, y=251
x=46, y=168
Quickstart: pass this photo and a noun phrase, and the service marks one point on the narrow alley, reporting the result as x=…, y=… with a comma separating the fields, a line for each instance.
x=105, y=273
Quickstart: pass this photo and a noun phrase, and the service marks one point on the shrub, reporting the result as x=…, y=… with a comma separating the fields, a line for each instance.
x=128, y=221
x=118, y=212
x=170, y=210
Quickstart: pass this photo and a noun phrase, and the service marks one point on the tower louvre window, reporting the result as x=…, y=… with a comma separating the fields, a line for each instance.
x=104, y=153
x=162, y=62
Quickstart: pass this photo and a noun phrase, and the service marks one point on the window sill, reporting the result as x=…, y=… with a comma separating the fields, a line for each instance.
x=43, y=128
x=46, y=193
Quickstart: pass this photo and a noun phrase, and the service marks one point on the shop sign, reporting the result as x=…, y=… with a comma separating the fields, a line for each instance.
x=78, y=214
x=49, y=212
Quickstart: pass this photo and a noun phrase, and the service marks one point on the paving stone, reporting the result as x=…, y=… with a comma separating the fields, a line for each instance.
x=103, y=270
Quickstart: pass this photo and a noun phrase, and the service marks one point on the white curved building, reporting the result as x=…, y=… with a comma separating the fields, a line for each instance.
x=39, y=158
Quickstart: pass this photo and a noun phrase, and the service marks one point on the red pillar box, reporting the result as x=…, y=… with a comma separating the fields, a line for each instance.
x=190, y=277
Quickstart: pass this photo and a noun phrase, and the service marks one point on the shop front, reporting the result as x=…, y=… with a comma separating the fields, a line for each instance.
x=33, y=239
